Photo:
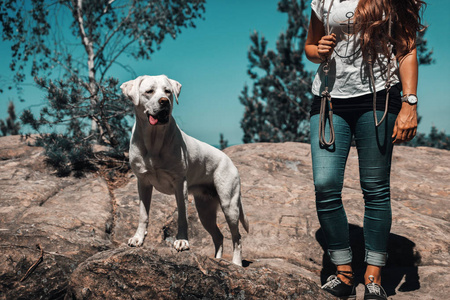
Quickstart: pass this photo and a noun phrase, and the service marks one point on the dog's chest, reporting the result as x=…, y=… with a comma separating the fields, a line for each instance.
x=162, y=174
x=162, y=181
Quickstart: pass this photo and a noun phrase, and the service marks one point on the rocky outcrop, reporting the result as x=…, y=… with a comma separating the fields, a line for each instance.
x=65, y=216
x=83, y=225
x=161, y=273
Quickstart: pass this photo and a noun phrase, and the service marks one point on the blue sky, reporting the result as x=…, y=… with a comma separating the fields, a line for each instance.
x=211, y=63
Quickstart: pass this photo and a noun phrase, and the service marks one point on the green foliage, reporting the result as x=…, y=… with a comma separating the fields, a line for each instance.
x=436, y=139
x=68, y=110
x=277, y=109
x=83, y=101
x=10, y=126
x=67, y=154
x=67, y=105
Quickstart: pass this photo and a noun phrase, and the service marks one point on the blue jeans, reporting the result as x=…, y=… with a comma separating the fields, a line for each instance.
x=374, y=146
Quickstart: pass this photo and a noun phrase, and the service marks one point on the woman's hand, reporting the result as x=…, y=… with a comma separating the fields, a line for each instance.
x=318, y=45
x=326, y=46
x=405, y=128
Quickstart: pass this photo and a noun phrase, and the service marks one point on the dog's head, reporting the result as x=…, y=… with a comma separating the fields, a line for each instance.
x=152, y=97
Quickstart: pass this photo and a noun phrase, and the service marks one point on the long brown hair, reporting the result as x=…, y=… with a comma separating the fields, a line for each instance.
x=372, y=21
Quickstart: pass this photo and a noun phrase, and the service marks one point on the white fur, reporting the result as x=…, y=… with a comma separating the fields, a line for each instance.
x=164, y=157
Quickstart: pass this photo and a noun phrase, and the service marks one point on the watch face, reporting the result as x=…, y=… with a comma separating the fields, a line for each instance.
x=412, y=99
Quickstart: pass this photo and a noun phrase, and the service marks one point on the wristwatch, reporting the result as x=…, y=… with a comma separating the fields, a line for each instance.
x=410, y=98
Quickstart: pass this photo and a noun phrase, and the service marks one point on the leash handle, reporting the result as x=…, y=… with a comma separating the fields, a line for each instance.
x=326, y=99
x=325, y=104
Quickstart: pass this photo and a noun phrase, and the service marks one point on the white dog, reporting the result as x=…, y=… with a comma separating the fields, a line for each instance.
x=164, y=157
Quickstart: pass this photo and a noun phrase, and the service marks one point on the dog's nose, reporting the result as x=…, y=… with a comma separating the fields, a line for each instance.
x=163, y=101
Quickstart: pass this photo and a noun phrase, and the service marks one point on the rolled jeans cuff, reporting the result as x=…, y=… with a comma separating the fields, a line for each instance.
x=376, y=258
x=340, y=257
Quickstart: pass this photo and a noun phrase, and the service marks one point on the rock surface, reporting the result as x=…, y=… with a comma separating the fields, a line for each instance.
x=65, y=216
x=162, y=273
x=83, y=226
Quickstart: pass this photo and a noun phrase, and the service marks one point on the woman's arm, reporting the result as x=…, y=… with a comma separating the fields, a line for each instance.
x=405, y=128
x=318, y=46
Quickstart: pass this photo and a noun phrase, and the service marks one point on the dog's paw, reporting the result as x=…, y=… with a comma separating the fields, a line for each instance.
x=237, y=261
x=136, y=241
x=181, y=245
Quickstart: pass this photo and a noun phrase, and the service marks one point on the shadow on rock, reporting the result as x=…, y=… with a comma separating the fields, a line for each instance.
x=401, y=269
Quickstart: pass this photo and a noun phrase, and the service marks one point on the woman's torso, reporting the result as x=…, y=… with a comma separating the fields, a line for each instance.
x=349, y=74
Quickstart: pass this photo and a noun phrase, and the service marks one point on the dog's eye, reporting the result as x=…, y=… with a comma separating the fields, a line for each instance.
x=150, y=91
x=168, y=92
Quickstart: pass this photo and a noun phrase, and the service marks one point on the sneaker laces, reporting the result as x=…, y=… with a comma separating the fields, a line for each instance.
x=373, y=287
x=332, y=282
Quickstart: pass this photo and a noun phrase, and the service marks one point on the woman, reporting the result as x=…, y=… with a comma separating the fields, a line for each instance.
x=368, y=57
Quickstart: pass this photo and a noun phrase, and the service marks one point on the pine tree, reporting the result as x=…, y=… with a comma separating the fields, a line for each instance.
x=277, y=109
x=10, y=126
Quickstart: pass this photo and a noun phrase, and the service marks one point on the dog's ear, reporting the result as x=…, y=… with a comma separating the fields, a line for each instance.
x=176, y=88
x=131, y=89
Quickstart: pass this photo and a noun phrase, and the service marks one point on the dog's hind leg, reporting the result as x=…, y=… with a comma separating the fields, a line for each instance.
x=207, y=212
x=145, y=196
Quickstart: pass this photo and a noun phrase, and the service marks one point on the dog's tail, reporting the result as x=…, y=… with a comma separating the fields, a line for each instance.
x=243, y=217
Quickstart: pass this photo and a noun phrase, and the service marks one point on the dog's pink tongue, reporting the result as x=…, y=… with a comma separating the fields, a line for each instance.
x=152, y=120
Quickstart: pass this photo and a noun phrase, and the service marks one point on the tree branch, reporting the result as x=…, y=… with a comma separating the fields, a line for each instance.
x=108, y=38
x=106, y=8
x=113, y=59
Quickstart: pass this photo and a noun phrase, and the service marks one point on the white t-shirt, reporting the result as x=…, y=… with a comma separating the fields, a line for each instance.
x=349, y=75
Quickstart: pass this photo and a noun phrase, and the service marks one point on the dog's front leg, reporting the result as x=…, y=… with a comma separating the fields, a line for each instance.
x=145, y=196
x=181, y=195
